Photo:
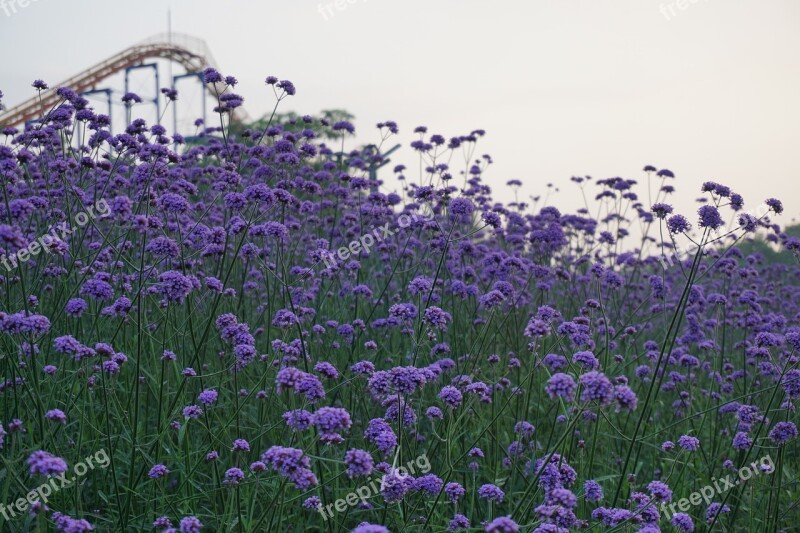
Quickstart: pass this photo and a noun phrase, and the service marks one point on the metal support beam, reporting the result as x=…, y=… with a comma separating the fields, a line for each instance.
x=108, y=93
x=155, y=99
x=175, y=79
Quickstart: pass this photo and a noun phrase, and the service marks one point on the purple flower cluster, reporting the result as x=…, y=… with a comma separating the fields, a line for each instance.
x=535, y=357
x=292, y=464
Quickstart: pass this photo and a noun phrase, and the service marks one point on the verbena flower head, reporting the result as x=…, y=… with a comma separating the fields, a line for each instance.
x=366, y=527
x=783, y=432
x=661, y=210
x=562, y=385
x=682, y=522
x=678, y=224
x=190, y=524
x=689, y=443
x=158, y=471
x=454, y=491
x=596, y=387
x=208, y=396
x=491, y=492
x=44, y=464
x=359, y=462
x=502, y=524
x=451, y=396
x=710, y=217
x=593, y=491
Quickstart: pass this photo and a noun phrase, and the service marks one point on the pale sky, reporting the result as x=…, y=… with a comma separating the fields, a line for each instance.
x=562, y=87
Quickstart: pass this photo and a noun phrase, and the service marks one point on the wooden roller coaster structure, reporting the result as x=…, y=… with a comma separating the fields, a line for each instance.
x=189, y=52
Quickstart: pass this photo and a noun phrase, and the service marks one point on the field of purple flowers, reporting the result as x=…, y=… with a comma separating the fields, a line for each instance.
x=247, y=331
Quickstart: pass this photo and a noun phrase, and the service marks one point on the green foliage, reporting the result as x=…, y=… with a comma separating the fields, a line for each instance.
x=770, y=252
x=292, y=122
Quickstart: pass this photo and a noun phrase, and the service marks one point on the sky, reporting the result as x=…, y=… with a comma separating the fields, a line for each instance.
x=706, y=88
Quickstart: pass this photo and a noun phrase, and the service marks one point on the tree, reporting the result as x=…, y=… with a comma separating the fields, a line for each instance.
x=294, y=123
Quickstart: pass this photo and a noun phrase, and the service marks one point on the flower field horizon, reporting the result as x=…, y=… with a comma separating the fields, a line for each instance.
x=249, y=330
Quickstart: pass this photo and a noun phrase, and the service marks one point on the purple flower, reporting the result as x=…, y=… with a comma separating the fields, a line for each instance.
x=395, y=485
x=292, y=464
x=586, y=360
x=162, y=522
x=302, y=383
x=363, y=367
x=366, y=527
x=747, y=222
x=562, y=385
x=173, y=203
x=459, y=523
x=233, y=476
x=208, y=396
x=791, y=383
x=284, y=319
x=67, y=524
x=715, y=509
x=434, y=412
x=429, y=483
x=69, y=345
x=240, y=445
x=451, y=396
x=660, y=491
x=491, y=492
x=661, y=210
x=562, y=498
x=56, y=415
x=174, y=286
x=710, y=217
x=476, y=452
x=626, y=398
x=742, y=441
x=98, y=289
x=775, y=205
x=45, y=464
x=454, y=491
x=502, y=524
x=689, y=443
x=75, y=307
x=461, y=207
x=192, y=411
x=312, y=502
x=596, y=387
x=298, y=420
x=683, y=522
x=343, y=125
x=406, y=312
x=158, y=471
x=593, y=491
x=287, y=86
x=783, y=432
x=492, y=219
x=437, y=318
x=190, y=524
x=331, y=419
x=678, y=224
x=131, y=98
x=524, y=428
x=326, y=369
x=359, y=462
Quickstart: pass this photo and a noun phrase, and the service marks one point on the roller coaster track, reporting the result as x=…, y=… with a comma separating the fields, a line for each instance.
x=191, y=53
